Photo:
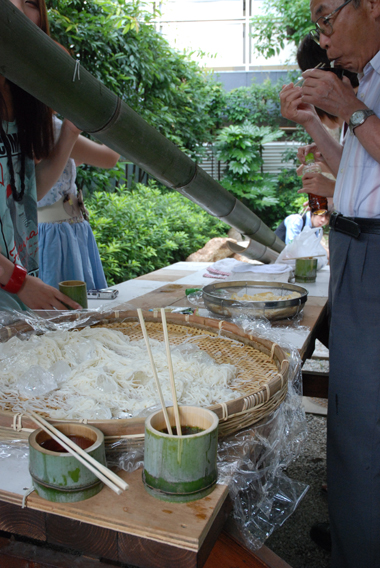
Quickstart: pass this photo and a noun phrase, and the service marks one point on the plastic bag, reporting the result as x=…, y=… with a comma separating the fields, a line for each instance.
x=307, y=243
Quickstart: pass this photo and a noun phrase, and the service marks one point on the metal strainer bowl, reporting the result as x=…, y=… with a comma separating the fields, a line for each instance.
x=222, y=298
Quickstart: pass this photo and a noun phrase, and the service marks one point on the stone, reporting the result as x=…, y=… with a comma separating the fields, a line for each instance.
x=216, y=249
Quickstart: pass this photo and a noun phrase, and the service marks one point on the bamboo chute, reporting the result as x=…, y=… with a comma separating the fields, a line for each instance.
x=32, y=60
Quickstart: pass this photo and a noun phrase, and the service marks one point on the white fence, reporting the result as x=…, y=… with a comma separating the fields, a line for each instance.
x=273, y=154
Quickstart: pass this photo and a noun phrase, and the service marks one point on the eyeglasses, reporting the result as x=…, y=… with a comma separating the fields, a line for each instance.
x=323, y=24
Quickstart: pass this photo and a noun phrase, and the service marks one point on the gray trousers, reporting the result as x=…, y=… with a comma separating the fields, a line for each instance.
x=353, y=434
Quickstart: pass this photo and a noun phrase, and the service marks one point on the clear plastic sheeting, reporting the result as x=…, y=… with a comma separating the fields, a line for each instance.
x=54, y=320
x=252, y=462
x=14, y=471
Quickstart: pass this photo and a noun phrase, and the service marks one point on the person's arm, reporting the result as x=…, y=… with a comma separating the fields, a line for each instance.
x=33, y=292
x=86, y=151
x=49, y=169
x=337, y=97
x=295, y=108
x=293, y=225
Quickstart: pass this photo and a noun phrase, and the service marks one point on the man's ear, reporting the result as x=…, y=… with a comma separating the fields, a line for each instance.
x=374, y=8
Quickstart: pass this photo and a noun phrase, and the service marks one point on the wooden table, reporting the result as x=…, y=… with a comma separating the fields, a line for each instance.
x=82, y=532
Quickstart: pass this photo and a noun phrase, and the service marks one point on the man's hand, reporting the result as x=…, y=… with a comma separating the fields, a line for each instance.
x=329, y=93
x=303, y=151
x=317, y=184
x=39, y=296
x=294, y=108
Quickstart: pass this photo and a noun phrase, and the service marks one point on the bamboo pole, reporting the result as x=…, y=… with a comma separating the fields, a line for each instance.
x=32, y=60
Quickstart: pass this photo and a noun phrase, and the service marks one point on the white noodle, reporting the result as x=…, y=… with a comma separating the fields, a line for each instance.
x=105, y=376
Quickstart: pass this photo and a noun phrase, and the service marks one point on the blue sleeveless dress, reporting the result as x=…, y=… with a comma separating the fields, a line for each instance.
x=68, y=250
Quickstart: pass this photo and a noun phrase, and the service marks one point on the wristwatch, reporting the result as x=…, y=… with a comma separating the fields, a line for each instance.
x=358, y=117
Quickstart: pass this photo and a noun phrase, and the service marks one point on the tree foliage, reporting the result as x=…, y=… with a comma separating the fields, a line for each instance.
x=117, y=42
x=259, y=103
x=282, y=21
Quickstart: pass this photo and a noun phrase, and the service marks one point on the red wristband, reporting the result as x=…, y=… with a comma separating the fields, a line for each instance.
x=16, y=280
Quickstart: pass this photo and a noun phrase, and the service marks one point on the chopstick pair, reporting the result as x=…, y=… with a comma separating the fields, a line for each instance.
x=102, y=472
x=171, y=374
x=301, y=79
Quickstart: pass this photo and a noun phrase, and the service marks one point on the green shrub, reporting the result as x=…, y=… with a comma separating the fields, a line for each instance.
x=146, y=229
x=240, y=147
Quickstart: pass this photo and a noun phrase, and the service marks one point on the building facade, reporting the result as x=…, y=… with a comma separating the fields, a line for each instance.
x=217, y=32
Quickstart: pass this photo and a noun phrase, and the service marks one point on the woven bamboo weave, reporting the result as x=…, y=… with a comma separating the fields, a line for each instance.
x=261, y=380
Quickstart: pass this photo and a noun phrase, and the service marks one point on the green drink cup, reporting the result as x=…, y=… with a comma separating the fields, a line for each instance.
x=76, y=290
x=306, y=269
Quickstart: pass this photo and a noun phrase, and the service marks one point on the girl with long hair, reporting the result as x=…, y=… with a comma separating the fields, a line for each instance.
x=30, y=164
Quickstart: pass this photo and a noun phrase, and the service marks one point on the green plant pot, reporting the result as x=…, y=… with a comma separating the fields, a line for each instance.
x=181, y=468
x=59, y=476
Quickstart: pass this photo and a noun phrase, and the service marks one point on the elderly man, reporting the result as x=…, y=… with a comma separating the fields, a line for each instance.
x=350, y=34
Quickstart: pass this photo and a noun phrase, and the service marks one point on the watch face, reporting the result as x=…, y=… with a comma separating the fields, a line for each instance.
x=358, y=117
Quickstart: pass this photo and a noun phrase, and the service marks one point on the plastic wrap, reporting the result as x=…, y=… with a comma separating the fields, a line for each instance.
x=41, y=321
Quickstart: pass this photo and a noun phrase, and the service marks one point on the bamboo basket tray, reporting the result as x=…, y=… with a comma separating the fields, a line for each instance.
x=260, y=361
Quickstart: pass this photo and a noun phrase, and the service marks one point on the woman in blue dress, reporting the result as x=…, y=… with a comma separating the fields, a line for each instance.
x=68, y=250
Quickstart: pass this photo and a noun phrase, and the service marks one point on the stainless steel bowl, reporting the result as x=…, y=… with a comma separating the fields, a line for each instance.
x=217, y=299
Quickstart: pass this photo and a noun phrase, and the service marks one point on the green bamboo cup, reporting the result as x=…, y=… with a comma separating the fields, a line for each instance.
x=306, y=269
x=181, y=468
x=76, y=290
x=57, y=475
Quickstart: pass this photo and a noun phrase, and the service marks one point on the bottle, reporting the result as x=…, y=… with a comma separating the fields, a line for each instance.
x=318, y=204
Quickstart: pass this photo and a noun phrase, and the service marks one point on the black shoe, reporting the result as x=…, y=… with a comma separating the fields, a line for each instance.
x=320, y=534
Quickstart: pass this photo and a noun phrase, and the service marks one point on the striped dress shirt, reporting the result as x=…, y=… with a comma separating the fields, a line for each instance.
x=357, y=189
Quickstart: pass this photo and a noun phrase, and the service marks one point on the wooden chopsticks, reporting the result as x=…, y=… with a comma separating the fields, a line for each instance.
x=302, y=79
x=171, y=374
x=102, y=472
x=154, y=370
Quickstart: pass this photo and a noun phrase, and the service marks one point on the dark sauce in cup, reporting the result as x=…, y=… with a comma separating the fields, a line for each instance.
x=186, y=430
x=53, y=446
